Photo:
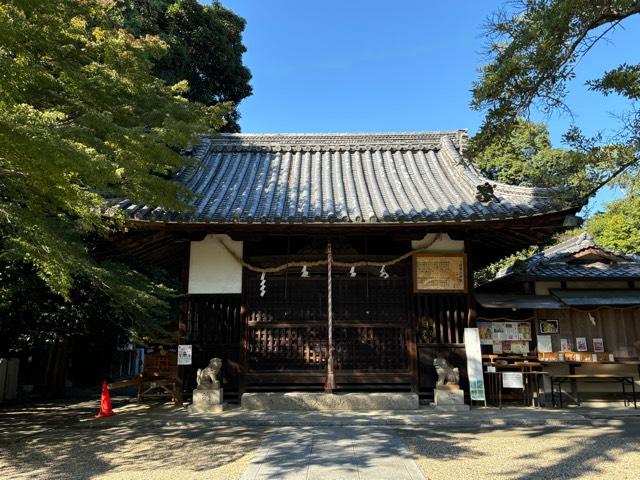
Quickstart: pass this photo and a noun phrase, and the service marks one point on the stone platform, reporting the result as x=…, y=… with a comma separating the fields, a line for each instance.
x=207, y=401
x=328, y=401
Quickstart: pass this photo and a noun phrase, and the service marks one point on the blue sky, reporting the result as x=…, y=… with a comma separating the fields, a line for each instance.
x=407, y=65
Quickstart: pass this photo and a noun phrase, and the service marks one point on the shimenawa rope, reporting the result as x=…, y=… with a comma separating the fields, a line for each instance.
x=318, y=263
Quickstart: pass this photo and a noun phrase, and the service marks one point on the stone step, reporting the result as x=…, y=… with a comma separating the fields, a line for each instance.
x=329, y=401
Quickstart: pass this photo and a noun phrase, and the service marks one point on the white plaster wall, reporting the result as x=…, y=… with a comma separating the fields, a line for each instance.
x=212, y=269
x=443, y=244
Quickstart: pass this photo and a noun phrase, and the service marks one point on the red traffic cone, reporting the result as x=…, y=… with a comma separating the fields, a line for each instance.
x=105, y=402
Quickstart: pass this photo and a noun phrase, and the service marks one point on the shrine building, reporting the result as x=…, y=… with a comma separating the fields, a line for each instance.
x=378, y=235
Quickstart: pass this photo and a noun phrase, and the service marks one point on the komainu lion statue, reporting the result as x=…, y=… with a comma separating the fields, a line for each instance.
x=446, y=374
x=207, y=377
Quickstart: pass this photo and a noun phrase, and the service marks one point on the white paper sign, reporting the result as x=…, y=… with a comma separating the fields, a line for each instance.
x=581, y=344
x=512, y=380
x=598, y=345
x=474, y=363
x=544, y=344
x=184, y=354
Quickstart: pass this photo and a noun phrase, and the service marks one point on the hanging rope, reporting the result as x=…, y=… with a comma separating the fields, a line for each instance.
x=592, y=310
x=504, y=319
x=319, y=263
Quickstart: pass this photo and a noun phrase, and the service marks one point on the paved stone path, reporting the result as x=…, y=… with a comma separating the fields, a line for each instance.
x=332, y=453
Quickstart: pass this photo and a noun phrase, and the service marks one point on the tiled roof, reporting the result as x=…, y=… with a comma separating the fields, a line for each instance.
x=344, y=178
x=597, y=270
x=558, y=262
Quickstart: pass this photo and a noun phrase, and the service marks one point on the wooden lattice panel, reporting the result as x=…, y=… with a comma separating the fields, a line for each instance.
x=214, y=319
x=287, y=348
x=443, y=316
x=370, y=348
x=366, y=298
x=287, y=327
x=356, y=348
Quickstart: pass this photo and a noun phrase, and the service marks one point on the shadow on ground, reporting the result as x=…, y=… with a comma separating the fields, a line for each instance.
x=125, y=446
x=533, y=452
x=51, y=441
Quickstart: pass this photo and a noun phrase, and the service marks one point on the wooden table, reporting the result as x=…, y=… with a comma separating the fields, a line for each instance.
x=573, y=364
x=532, y=383
x=558, y=380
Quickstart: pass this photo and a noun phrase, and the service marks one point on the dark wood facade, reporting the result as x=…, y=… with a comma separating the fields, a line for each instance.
x=385, y=335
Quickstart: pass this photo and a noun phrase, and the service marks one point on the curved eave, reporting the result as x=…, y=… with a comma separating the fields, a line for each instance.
x=160, y=223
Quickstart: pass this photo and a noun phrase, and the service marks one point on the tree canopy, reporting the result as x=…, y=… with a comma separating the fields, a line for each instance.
x=534, y=48
x=526, y=157
x=204, y=48
x=83, y=118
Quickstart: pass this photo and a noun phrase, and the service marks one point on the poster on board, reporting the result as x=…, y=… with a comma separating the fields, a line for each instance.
x=474, y=364
x=598, y=345
x=544, y=344
x=440, y=272
x=581, y=344
x=486, y=333
x=185, y=354
x=512, y=380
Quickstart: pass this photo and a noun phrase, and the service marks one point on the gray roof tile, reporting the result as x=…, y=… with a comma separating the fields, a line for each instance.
x=345, y=178
x=558, y=262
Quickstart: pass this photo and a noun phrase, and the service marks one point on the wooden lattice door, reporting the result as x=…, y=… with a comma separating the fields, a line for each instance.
x=287, y=327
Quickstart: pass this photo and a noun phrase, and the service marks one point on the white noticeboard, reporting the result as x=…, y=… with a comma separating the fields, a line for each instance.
x=185, y=354
x=544, y=344
x=474, y=364
x=512, y=380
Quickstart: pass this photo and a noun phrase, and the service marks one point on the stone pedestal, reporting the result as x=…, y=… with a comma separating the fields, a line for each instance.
x=207, y=401
x=449, y=398
x=291, y=401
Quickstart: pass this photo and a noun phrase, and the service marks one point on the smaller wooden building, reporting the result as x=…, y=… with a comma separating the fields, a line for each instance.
x=582, y=302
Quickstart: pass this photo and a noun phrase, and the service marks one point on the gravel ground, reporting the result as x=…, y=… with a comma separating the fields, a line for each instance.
x=52, y=442
x=56, y=442
x=583, y=452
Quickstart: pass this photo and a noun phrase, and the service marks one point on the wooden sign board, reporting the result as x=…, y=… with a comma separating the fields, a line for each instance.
x=440, y=272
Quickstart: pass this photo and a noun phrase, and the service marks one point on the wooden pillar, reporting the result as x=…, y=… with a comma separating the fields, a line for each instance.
x=244, y=330
x=413, y=330
x=183, y=317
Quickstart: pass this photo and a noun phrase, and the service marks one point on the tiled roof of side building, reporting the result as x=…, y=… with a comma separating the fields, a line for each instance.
x=559, y=261
x=344, y=178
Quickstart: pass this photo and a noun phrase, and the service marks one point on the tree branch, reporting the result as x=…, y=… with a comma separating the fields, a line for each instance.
x=617, y=173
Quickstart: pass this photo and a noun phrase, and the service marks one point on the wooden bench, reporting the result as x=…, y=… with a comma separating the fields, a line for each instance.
x=624, y=381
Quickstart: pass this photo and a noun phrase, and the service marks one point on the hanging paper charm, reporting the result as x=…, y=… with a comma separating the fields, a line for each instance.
x=304, y=273
x=263, y=284
x=352, y=272
x=383, y=273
